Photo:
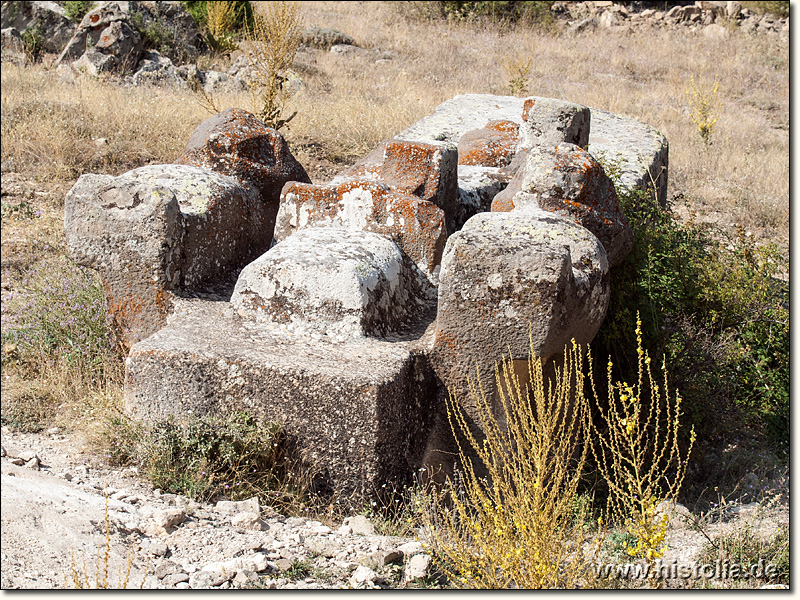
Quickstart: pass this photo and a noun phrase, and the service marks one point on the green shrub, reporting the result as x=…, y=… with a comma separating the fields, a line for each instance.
x=779, y=8
x=75, y=10
x=210, y=457
x=243, y=14
x=535, y=13
x=711, y=305
x=744, y=546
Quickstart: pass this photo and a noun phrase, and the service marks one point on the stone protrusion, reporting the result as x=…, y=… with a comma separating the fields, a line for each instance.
x=160, y=230
x=426, y=170
x=549, y=122
x=418, y=226
x=236, y=143
x=338, y=283
x=515, y=282
x=491, y=146
x=568, y=180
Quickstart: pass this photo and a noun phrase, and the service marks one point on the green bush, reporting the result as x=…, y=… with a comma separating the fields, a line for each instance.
x=209, y=457
x=243, y=13
x=711, y=305
x=506, y=11
x=779, y=8
x=76, y=10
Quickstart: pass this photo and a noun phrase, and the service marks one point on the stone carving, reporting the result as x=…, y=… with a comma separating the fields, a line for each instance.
x=383, y=290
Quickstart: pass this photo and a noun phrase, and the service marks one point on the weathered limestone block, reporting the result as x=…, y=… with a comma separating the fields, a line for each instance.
x=335, y=282
x=568, y=180
x=491, y=146
x=428, y=171
x=641, y=152
x=549, y=122
x=236, y=143
x=359, y=410
x=416, y=225
x=159, y=230
x=510, y=280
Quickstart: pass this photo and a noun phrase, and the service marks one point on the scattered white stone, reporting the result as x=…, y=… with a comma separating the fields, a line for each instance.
x=417, y=567
x=360, y=525
x=363, y=575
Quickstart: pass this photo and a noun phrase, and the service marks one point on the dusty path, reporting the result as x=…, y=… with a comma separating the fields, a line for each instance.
x=56, y=511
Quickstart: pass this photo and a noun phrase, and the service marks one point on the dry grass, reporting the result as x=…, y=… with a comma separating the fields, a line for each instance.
x=346, y=105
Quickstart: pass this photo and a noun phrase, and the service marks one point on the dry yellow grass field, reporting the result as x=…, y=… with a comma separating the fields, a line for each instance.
x=348, y=104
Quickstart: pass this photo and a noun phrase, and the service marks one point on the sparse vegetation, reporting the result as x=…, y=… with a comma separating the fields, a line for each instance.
x=235, y=457
x=708, y=274
x=273, y=41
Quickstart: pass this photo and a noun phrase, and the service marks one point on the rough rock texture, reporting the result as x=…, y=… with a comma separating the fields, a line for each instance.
x=48, y=18
x=549, y=122
x=93, y=62
x=510, y=280
x=426, y=170
x=106, y=28
x=118, y=28
x=160, y=230
x=491, y=146
x=336, y=282
x=236, y=143
x=416, y=225
x=640, y=151
x=568, y=180
x=359, y=410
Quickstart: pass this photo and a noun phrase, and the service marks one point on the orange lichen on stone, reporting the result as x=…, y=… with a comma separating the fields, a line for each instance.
x=492, y=146
x=526, y=108
x=416, y=225
x=502, y=204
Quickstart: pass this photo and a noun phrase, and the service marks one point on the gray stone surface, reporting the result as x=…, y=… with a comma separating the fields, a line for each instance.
x=360, y=411
x=48, y=18
x=568, y=180
x=549, y=121
x=512, y=282
x=642, y=152
x=339, y=283
x=160, y=230
x=416, y=225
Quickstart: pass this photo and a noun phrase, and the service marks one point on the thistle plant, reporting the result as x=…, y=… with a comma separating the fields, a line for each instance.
x=704, y=109
x=272, y=45
x=638, y=455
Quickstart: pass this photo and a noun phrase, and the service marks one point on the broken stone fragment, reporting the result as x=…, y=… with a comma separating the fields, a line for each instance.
x=548, y=121
x=236, y=143
x=336, y=282
x=416, y=225
x=491, y=146
x=566, y=179
x=510, y=281
x=427, y=170
x=161, y=230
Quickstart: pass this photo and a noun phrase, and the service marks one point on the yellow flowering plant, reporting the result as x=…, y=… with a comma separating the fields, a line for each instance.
x=638, y=454
x=508, y=520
